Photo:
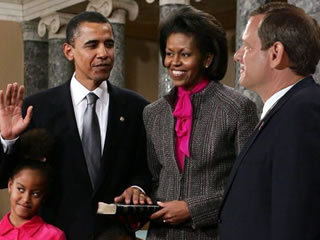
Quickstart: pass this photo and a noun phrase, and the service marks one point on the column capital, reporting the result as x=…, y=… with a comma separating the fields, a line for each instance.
x=115, y=10
x=30, y=31
x=55, y=23
x=166, y=2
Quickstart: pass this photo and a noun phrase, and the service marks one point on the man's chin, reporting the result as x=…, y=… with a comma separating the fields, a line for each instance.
x=101, y=78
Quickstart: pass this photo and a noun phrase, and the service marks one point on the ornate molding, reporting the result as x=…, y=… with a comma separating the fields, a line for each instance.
x=166, y=2
x=115, y=10
x=30, y=31
x=102, y=6
x=11, y=11
x=26, y=10
x=55, y=23
x=118, y=16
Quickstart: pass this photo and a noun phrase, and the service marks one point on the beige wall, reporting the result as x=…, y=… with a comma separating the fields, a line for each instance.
x=11, y=53
x=11, y=70
x=142, y=59
x=229, y=78
x=4, y=202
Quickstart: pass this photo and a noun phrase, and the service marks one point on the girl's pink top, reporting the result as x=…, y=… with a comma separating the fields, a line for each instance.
x=183, y=113
x=35, y=229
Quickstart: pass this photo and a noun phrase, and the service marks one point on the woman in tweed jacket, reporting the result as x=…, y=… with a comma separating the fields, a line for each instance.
x=190, y=163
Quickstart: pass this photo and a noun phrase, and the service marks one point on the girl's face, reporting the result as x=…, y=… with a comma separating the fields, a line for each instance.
x=26, y=190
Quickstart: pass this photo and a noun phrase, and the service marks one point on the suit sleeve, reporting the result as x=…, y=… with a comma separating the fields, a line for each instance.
x=2, y=168
x=204, y=209
x=7, y=164
x=246, y=123
x=9, y=161
x=296, y=174
x=153, y=162
x=140, y=172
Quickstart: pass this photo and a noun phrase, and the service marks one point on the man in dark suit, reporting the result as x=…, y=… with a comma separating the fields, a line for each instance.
x=119, y=139
x=273, y=191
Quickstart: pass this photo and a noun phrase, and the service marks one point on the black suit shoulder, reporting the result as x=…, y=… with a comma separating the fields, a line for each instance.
x=301, y=103
x=127, y=95
x=48, y=95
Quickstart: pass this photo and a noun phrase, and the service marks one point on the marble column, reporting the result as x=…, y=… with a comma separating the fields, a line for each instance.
x=117, y=11
x=311, y=7
x=244, y=7
x=60, y=69
x=35, y=59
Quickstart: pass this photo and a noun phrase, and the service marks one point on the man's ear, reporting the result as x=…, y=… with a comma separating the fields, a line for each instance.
x=68, y=51
x=278, y=56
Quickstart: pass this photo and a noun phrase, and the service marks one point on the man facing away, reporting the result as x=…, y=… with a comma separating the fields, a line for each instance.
x=273, y=191
x=99, y=133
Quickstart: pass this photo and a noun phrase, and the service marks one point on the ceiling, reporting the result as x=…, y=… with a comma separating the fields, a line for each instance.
x=144, y=27
x=146, y=24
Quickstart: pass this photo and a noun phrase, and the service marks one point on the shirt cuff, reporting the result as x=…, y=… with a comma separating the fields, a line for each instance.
x=7, y=145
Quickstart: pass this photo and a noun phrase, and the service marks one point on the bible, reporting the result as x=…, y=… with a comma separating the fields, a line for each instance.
x=127, y=209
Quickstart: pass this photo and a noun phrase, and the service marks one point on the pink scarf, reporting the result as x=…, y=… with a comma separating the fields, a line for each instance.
x=183, y=113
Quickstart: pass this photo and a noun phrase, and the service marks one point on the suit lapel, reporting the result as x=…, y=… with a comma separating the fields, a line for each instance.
x=67, y=106
x=70, y=130
x=259, y=128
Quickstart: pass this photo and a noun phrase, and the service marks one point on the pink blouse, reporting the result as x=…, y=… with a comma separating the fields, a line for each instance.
x=183, y=114
x=35, y=229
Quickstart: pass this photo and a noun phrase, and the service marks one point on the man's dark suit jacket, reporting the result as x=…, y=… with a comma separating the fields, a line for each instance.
x=72, y=203
x=274, y=187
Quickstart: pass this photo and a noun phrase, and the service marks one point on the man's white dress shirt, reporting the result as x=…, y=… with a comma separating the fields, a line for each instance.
x=272, y=101
x=78, y=95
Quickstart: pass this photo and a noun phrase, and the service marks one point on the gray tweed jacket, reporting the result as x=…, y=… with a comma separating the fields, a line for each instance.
x=223, y=119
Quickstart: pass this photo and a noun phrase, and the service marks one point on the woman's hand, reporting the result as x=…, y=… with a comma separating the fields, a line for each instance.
x=172, y=212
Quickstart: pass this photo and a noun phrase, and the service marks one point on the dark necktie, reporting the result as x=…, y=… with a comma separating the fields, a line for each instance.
x=91, y=141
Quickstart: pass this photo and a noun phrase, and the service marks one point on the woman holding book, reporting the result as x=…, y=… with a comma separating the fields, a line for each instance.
x=195, y=132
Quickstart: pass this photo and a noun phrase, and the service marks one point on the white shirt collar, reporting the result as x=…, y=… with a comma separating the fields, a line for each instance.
x=271, y=102
x=79, y=92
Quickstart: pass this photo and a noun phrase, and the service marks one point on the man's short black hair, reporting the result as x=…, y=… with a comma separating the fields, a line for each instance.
x=72, y=27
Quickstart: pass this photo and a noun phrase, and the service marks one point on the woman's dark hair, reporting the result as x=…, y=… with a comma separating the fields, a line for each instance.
x=35, y=152
x=207, y=32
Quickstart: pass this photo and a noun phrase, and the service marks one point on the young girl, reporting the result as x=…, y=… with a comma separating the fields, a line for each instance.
x=27, y=188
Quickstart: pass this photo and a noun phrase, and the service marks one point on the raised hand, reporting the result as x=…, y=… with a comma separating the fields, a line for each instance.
x=12, y=124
